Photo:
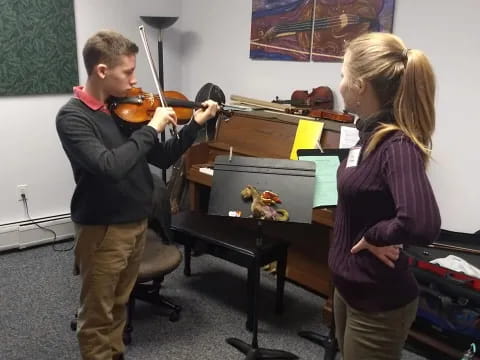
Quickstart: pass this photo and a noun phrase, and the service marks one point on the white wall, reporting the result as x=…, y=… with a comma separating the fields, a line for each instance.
x=449, y=35
x=210, y=43
x=216, y=49
x=30, y=152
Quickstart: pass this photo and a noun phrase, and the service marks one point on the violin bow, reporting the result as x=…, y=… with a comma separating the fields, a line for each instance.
x=173, y=130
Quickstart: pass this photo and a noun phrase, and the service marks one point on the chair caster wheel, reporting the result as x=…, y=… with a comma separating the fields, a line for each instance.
x=174, y=316
x=73, y=325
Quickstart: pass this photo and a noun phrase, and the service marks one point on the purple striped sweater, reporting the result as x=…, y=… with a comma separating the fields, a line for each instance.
x=388, y=199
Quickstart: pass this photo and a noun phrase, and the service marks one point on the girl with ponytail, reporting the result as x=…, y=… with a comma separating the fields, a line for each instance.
x=384, y=196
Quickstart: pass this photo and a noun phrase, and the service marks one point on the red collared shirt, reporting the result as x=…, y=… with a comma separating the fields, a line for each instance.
x=80, y=93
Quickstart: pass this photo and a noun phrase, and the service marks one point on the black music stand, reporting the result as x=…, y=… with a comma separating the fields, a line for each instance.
x=160, y=23
x=329, y=342
x=293, y=181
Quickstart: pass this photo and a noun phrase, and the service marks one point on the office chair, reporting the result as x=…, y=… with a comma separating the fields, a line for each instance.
x=159, y=259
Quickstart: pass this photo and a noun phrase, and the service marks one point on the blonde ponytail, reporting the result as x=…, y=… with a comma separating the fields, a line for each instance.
x=414, y=107
x=403, y=79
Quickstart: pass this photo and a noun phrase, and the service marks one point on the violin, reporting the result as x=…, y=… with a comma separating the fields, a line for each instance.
x=341, y=116
x=318, y=104
x=320, y=97
x=138, y=106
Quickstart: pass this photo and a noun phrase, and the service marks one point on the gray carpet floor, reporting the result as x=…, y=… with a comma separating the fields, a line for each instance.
x=38, y=296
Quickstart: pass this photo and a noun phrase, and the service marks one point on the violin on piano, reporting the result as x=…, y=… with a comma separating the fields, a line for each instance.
x=318, y=104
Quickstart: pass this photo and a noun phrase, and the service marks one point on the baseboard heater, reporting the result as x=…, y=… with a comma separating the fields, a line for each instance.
x=22, y=234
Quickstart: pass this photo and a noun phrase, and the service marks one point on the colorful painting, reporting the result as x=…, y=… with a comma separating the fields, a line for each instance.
x=314, y=30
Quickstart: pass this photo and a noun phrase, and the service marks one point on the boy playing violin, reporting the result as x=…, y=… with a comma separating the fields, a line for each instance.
x=113, y=193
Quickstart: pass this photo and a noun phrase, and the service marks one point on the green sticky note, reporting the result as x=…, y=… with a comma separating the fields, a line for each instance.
x=325, y=179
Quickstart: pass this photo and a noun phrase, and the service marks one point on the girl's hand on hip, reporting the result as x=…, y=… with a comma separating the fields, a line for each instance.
x=386, y=254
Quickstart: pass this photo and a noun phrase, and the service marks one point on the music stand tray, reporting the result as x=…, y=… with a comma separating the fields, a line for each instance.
x=292, y=180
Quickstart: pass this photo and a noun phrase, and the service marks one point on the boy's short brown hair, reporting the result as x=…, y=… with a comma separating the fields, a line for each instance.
x=106, y=46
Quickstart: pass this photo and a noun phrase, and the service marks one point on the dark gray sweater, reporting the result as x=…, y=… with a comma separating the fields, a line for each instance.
x=110, y=167
x=388, y=199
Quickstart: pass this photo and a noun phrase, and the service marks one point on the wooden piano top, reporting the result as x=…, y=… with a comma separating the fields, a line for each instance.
x=259, y=134
x=267, y=134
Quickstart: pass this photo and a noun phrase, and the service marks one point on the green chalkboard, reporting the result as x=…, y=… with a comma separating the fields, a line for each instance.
x=38, y=51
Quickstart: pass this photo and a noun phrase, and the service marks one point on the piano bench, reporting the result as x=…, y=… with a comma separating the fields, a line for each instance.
x=225, y=238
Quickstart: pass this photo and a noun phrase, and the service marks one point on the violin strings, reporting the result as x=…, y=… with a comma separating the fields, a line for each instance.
x=290, y=29
x=295, y=51
x=313, y=29
x=322, y=23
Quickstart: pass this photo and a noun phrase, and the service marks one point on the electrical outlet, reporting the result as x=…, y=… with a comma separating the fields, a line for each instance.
x=22, y=190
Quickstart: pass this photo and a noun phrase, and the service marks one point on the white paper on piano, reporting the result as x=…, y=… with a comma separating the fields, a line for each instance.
x=206, y=170
x=348, y=137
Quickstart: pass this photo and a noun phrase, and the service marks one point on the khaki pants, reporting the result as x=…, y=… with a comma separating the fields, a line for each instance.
x=372, y=336
x=108, y=258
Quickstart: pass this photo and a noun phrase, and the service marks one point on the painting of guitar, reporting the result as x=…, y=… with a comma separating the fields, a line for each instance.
x=304, y=30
